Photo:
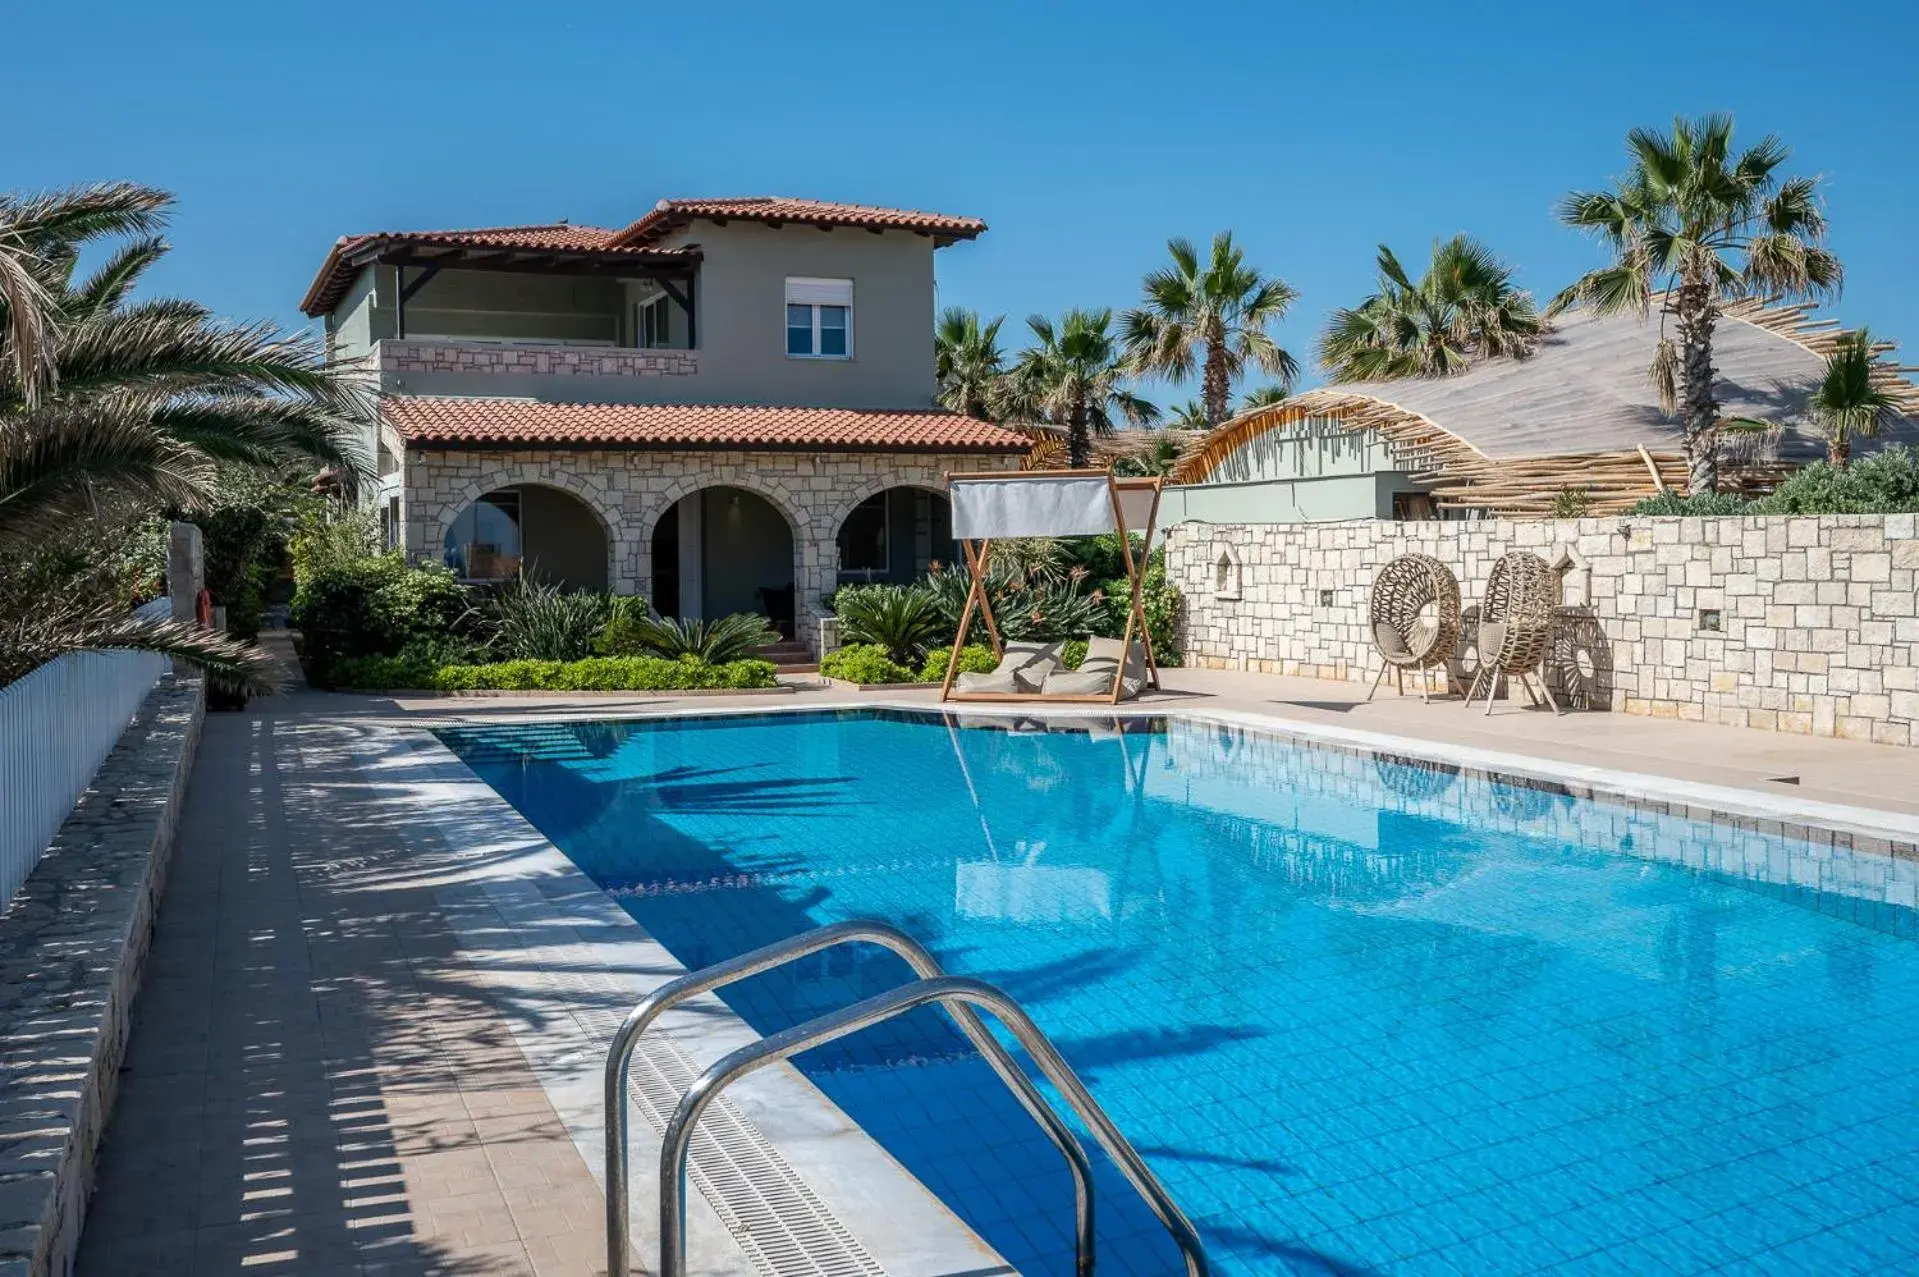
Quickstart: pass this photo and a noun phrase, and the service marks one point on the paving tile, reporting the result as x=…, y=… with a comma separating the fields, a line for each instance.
x=294, y=1100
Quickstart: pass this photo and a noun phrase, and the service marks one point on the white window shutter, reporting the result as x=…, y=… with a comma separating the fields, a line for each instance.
x=802, y=291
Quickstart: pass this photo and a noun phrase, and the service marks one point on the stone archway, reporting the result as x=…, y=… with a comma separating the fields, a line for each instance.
x=536, y=529
x=437, y=507
x=893, y=532
x=721, y=549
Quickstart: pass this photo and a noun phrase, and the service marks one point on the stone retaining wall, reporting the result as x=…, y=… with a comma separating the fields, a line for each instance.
x=73, y=945
x=1797, y=624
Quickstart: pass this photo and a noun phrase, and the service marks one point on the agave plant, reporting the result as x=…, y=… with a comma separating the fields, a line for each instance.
x=731, y=638
x=539, y=622
x=903, y=619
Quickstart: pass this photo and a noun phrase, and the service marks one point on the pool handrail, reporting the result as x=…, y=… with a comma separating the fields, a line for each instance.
x=952, y=993
x=756, y=961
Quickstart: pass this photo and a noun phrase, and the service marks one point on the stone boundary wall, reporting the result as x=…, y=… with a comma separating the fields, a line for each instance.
x=1790, y=623
x=401, y=356
x=74, y=946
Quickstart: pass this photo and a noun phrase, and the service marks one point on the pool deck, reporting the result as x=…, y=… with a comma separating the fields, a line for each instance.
x=342, y=1062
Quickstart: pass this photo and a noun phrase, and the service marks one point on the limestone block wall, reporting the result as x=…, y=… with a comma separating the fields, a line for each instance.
x=1798, y=624
x=402, y=357
x=630, y=489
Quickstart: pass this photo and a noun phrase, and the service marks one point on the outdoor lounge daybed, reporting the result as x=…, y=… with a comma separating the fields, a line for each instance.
x=1052, y=503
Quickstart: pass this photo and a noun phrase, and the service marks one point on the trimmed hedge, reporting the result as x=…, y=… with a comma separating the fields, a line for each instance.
x=975, y=658
x=595, y=674
x=865, y=663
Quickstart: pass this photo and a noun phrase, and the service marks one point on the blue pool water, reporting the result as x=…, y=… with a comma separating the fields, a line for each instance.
x=1360, y=1014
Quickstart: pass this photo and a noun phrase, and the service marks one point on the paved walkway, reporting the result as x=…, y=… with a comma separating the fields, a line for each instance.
x=319, y=1083
x=316, y=1084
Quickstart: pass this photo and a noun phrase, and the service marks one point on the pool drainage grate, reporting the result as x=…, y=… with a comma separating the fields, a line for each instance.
x=785, y=1230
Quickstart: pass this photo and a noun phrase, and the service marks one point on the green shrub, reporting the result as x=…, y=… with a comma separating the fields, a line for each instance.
x=374, y=605
x=975, y=658
x=905, y=620
x=1073, y=653
x=1884, y=483
x=865, y=663
x=1159, y=599
x=1705, y=504
x=731, y=638
x=605, y=674
x=531, y=621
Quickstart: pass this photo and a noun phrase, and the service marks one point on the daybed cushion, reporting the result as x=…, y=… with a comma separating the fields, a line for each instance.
x=1023, y=667
x=1095, y=674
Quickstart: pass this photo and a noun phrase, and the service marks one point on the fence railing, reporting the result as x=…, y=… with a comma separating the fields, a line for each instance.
x=57, y=725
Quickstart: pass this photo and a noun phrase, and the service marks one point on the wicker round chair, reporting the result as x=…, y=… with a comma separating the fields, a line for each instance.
x=1413, y=616
x=1516, y=628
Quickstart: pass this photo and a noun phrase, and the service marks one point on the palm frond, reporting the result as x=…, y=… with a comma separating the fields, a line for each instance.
x=63, y=462
x=45, y=634
x=107, y=288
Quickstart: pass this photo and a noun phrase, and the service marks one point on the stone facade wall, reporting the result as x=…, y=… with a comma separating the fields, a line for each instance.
x=74, y=944
x=631, y=489
x=1817, y=621
x=398, y=357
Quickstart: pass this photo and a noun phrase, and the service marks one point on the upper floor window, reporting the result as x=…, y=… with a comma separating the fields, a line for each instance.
x=655, y=323
x=819, y=318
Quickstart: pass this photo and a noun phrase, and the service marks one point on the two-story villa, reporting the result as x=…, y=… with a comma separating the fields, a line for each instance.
x=727, y=405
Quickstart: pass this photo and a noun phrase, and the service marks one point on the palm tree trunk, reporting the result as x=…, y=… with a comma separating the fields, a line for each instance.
x=1839, y=450
x=1698, y=409
x=1079, y=445
x=1215, y=385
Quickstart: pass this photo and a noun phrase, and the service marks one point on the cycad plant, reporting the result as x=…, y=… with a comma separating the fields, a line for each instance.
x=730, y=638
x=903, y=619
x=111, y=408
x=1213, y=316
x=1073, y=377
x=1691, y=226
x=1463, y=308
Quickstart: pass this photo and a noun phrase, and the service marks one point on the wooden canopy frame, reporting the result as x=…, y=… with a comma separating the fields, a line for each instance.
x=978, y=552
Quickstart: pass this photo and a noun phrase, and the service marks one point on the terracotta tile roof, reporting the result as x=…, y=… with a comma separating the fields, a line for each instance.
x=338, y=271
x=463, y=421
x=669, y=215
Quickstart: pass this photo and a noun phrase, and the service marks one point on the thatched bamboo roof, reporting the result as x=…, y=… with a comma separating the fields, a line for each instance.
x=1508, y=435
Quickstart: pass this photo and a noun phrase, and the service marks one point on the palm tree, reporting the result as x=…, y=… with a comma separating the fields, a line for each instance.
x=38, y=237
x=1264, y=396
x=1161, y=457
x=1692, y=226
x=1190, y=415
x=1850, y=401
x=1213, y=317
x=1464, y=308
x=1072, y=378
x=125, y=409
x=967, y=362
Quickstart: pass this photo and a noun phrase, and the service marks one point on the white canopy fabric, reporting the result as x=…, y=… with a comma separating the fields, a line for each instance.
x=1031, y=506
x=1137, y=505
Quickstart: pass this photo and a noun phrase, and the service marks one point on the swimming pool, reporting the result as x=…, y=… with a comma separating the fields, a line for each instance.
x=1360, y=1013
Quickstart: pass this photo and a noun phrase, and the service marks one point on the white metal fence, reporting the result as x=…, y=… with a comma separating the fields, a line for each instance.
x=57, y=725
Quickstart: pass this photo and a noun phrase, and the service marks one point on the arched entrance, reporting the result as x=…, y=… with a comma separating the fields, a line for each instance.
x=895, y=535
x=548, y=534
x=724, y=550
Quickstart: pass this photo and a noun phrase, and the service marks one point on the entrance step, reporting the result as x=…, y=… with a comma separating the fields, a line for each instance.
x=788, y=657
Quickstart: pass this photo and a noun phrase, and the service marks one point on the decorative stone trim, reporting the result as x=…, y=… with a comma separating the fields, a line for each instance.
x=400, y=357
x=74, y=946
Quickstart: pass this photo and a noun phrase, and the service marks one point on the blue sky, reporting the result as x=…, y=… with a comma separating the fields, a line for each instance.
x=1084, y=134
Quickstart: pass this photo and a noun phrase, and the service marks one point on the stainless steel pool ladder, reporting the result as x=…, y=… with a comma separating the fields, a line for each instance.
x=958, y=996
